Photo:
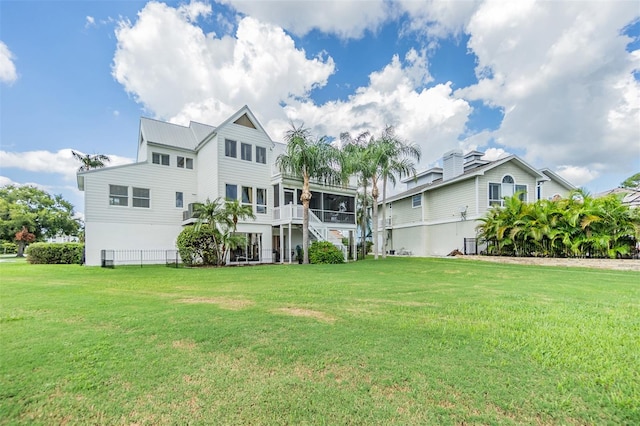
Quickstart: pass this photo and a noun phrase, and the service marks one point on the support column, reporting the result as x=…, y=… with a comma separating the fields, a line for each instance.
x=289, y=250
x=281, y=236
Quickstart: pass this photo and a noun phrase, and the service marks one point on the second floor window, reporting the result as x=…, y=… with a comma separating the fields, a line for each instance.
x=230, y=148
x=118, y=195
x=231, y=192
x=245, y=151
x=416, y=200
x=179, y=199
x=247, y=195
x=261, y=155
x=140, y=197
x=261, y=200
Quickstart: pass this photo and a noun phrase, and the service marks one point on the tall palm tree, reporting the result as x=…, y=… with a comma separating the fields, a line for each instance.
x=395, y=158
x=357, y=160
x=308, y=158
x=96, y=161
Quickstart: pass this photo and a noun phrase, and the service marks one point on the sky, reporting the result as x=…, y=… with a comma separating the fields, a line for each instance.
x=554, y=82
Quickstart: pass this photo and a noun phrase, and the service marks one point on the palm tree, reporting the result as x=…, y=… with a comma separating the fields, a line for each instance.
x=96, y=161
x=238, y=211
x=308, y=158
x=395, y=159
x=357, y=159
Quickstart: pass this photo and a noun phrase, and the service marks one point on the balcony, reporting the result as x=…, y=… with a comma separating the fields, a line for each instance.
x=190, y=215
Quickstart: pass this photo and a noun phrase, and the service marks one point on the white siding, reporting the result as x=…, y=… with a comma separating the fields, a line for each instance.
x=127, y=236
x=413, y=239
x=551, y=188
x=404, y=213
x=445, y=203
x=240, y=172
x=162, y=181
x=208, y=170
x=446, y=237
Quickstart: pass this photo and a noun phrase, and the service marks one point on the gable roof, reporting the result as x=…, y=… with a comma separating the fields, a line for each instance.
x=557, y=178
x=476, y=171
x=174, y=135
x=238, y=116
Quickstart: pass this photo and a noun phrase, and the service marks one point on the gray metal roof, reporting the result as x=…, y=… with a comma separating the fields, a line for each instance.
x=174, y=135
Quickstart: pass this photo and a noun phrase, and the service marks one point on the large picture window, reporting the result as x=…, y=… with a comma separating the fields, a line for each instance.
x=230, y=148
x=507, y=188
x=245, y=151
x=231, y=192
x=261, y=200
x=140, y=197
x=118, y=195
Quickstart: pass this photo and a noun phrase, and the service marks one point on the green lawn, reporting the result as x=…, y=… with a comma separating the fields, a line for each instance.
x=403, y=341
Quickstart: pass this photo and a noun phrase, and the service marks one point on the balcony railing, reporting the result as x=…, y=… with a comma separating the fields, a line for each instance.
x=295, y=212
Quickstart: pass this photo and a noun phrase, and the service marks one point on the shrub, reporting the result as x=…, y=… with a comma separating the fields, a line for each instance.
x=9, y=248
x=54, y=253
x=324, y=252
x=197, y=246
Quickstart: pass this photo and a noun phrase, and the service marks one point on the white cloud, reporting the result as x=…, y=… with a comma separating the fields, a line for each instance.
x=4, y=181
x=60, y=162
x=346, y=19
x=8, y=73
x=493, y=154
x=90, y=21
x=432, y=118
x=577, y=175
x=180, y=73
x=568, y=92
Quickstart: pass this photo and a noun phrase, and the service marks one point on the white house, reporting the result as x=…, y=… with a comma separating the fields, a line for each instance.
x=139, y=209
x=440, y=209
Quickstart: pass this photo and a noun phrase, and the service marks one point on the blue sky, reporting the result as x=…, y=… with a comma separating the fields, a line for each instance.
x=557, y=83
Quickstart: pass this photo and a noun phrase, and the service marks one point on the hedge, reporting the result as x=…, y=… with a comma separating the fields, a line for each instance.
x=55, y=253
x=325, y=252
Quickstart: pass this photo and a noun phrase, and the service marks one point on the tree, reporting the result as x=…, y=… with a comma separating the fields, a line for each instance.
x=42, y=214
x=357, y=160
x=24, y=237
x=96, y=161
x=632, y=182
x=221, y=219
x=308, y=158
x=394, y=158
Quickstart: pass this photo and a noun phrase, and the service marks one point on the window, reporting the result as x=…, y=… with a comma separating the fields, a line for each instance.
x=118, y=195
x=499, y=191
x=245, y=151
x=231, y=192
x=179, y=199
x=247, y=195
x=157, y=158
x=185, y=162
x=261, y=155
x=261, y=200
x=140, y=197
x=230, y=148
x=416, y=200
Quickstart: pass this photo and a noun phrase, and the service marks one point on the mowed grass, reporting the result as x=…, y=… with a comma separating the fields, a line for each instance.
x=401, y=341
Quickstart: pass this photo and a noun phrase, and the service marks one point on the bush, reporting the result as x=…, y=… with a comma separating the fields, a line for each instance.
x=54, y=253
x=197, y=246
x=9, y=248
x=325, y=252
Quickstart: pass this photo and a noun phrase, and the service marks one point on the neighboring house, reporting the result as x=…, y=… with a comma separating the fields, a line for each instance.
x=145, y=205
x=629, y=196
x=63, y=239
x=440, y=209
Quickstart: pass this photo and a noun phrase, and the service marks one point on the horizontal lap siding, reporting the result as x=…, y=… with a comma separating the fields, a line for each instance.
x=246, y=173
x=551, y=188
x=207, y=165
x=162, y=181
x=403, y=213
x=445, y=203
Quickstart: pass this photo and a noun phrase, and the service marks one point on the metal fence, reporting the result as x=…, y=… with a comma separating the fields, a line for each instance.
x=113, y=258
